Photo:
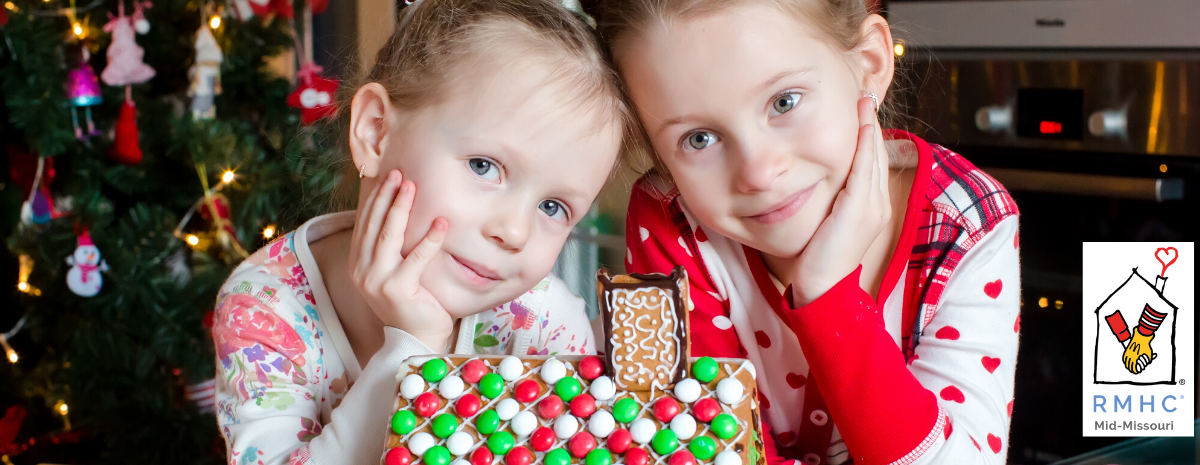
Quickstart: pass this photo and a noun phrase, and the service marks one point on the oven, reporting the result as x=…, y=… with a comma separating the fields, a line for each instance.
x=1085, y=111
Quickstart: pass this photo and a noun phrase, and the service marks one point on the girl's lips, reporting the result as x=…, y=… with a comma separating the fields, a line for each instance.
x=474, y=273
x=786, y=208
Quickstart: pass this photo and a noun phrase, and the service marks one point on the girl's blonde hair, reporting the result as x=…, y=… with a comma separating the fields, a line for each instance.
x=437, y=43
x=623, y=21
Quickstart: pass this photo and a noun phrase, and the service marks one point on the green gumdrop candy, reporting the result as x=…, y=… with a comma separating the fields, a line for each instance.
x=491, y=385
x=567, y=388
x=598, y=457
x=703, y=448
x=705, y=369
x=665, y=441
x=559, y=456
x=724, y=426
x=625, y=410
x=444, y=425
x=501, y=442
x=434, y=370
x=487, y=422
x=403, y=422
x=436, y=455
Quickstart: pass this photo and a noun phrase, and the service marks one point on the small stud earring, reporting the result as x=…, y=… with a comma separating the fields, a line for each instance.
x=874, y=100
x=362, y=171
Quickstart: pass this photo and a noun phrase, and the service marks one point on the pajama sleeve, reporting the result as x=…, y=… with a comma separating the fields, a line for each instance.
x=952, y=402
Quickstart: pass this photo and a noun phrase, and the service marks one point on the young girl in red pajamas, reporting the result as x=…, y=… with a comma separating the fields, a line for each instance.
x=872, y=277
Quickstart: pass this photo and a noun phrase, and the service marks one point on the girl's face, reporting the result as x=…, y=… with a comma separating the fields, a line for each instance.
x=755, y=116
x=513, y=160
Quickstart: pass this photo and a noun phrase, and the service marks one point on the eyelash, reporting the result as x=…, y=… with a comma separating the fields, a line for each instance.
x=562, y=207
x=686, y=137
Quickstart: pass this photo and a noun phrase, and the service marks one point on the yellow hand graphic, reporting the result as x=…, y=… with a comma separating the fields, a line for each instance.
x=1138, y=354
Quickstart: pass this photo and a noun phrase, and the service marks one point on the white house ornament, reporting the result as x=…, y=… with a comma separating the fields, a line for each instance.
x=84, y=277
x=205, y=75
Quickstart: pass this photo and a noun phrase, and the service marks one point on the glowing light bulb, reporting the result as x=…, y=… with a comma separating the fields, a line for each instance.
x=192, y=239
x=12, y=356
x=1058, y=304
x=10, y=5
x=269, y=232
x=898, y=49
x=227, y=177
x=1043, y=302
x=77, y=29
x=62, y=408
x=215, y=22
x=22, y=286
x=1162, y=167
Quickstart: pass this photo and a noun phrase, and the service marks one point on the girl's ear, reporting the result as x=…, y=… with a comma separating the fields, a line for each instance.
x=875, y=55
x=370, y=112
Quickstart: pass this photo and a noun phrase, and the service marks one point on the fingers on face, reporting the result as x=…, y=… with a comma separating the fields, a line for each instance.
x=408, y=274
x=391, y=234
x=371, y=219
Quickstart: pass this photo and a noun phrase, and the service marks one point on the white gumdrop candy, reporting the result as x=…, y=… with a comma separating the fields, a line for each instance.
x=412, y=386
x=460, y=462
x=727, y=458
x=420, y=442
x=684, y=426
x=460, y=443
x=729, y=390
x=566, y=426
x=642, y=430
x=451, y=387
x=553, y=370
x=602, y=388
x=601, y=424
x=511, y=368
x=524, y=423
x=507, y=409
x=687, y=391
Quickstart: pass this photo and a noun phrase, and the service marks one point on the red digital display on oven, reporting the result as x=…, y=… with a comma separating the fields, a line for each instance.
x=1050, y=127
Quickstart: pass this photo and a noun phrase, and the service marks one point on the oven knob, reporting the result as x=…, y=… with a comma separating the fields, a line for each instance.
x=993, y=119
x=1107, y=123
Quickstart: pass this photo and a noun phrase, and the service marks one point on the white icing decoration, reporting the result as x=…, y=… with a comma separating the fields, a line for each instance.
x=642, y=430
x=684, y=426
x=451, y=387
x=749, y=366
x=524, y=423
x=728, y=458
x=420, y=442
x=553, y=370
x=601, y=424
x=507, y=409
x=730, y=390
x=511, y=368
x=566, y=426
x=412, y=386
x=631, y=336
x=687, y=391
x=460, y=443
x=602, y=388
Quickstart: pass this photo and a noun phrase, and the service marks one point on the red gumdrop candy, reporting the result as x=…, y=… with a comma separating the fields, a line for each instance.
x=636, y=456
x=619, y=441
x=581, y=444
x=591, y=367
x=528, y=391
x=542, y=439
x=397, y=456
x=550, y=407
x=481, y=456
x=426, y=404
x=473, y=371
x=583, y=405
x=665, y=409
x=706, y=409
x=519, y=456
x=682, y=457
x=467, y=405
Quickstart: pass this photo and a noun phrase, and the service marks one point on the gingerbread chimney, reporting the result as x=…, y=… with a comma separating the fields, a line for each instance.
x=645, y=319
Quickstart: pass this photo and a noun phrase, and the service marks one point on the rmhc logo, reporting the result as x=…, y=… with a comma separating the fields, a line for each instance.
x=1138, y=339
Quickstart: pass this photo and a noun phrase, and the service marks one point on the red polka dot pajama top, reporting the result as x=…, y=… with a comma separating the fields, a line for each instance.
x=922, y=375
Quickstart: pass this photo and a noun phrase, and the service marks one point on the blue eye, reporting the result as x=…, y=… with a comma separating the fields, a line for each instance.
x=785, y=102
x=484, y=168
x=699, y=140
x=552, y=208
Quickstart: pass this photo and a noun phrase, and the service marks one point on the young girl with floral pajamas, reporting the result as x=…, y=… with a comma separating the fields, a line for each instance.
x=484, y=132
x=872, y=277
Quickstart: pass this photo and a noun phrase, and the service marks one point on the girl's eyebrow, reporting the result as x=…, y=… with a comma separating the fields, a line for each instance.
x=766, y=85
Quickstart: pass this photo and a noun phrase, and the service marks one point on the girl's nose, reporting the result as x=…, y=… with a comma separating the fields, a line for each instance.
x=758, y=166
x=509, y=228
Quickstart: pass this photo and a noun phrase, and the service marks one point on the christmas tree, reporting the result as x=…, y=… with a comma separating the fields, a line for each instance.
x=149, y=148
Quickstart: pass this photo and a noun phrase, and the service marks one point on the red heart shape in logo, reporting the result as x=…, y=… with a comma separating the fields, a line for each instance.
x=993, y=288
x=952, y=394
x=990, y=364
x=796, y=381
x=1166, y=252
x=994, y=442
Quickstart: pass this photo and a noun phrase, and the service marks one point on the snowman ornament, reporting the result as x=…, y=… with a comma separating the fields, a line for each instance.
x=84, y=277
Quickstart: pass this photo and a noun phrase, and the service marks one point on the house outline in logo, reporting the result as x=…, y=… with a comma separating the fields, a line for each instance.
x=1108, y=315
